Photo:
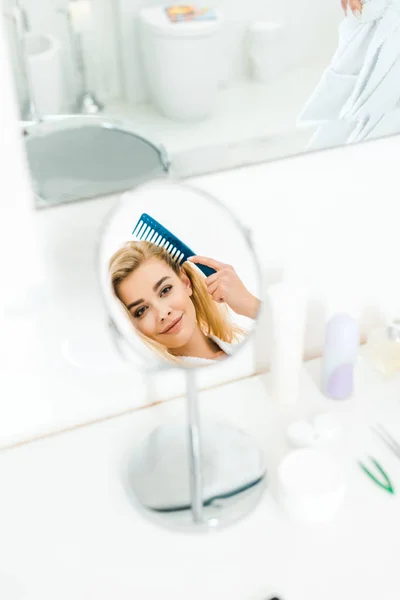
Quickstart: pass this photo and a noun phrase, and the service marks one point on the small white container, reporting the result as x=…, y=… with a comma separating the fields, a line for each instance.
x=321, y=429
x=45, y=68
x=268, y=52
x=311, y=485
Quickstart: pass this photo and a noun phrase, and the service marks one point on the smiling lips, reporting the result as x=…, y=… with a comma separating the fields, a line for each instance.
x=174, y=327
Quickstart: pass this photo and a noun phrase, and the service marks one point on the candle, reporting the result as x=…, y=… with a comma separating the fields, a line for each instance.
x=80, y=12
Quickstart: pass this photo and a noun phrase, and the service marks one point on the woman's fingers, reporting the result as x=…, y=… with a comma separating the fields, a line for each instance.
x=217, y=291
x=211, y=289
x=208, y=262
x=355, y=5
x=211, y=279
x=218, y=296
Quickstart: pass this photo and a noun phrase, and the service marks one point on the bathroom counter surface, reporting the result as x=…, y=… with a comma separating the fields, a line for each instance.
x=69, y=531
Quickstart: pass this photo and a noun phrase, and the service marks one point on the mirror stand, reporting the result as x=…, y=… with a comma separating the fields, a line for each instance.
x=195, y=458
x=198, y=477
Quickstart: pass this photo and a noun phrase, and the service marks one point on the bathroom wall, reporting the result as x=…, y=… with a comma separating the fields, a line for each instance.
x=112, y=52
x=100, y=47
x=312, y=28
x=311, y=31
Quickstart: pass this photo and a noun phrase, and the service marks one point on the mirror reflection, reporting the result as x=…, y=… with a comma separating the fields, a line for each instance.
x=173, y=304
x=207, y=87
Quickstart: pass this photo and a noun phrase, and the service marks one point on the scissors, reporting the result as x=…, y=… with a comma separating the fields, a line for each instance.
x=384, y=482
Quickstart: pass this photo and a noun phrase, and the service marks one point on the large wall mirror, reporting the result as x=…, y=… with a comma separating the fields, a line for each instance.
x=202, y=87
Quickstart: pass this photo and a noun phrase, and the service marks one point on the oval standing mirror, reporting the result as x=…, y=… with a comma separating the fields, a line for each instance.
x=181, y=285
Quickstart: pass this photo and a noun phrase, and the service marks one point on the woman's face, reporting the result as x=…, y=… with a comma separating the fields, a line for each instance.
x=159, y=302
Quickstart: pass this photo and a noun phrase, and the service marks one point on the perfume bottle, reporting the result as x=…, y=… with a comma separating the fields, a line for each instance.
x=383, y=348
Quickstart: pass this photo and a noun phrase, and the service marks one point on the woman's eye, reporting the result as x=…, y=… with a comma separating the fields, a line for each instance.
x=140, y=312
x=166, y=290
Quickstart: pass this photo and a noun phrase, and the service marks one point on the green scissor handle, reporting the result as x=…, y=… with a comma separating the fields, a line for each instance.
x=386, y=486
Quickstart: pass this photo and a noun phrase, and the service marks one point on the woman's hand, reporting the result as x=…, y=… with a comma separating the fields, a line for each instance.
x=226, y=286
x=355, y=6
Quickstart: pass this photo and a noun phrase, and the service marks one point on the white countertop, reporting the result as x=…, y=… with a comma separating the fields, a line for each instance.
x=69, y=531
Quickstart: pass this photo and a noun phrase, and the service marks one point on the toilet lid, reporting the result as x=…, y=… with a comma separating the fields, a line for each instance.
x=156, y=19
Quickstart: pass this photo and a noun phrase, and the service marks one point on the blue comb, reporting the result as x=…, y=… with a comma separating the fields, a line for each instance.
x=150, y=230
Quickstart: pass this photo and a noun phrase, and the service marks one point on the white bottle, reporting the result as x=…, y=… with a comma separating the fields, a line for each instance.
x=383, y=348
x=288, y=305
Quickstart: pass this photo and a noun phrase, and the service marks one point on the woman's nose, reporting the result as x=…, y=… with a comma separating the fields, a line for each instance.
x=163, y=314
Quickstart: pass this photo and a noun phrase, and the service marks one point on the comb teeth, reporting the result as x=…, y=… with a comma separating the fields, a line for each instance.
x=153, y=237
x=139, y=229
x=148, y=229
x=145, y=232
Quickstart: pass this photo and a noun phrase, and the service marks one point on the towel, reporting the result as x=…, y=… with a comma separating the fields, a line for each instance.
x=361, y=86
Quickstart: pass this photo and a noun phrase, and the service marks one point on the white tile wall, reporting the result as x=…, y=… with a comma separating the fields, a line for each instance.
x=312, y=26
x=311, y=29
x=134, y=86
x=101, y=49
x=113, y=56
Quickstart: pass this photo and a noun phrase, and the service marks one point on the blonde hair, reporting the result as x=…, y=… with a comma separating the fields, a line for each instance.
x=212, y=318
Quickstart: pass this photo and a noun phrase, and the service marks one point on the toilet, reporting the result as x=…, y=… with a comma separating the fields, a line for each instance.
x=181, y=62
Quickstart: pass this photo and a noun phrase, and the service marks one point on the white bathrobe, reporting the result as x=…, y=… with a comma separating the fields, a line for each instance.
x=226, y=347
x=358, y=96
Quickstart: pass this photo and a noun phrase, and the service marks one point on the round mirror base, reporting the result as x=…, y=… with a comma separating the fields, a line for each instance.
x=157, y=477
x=215, y=516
